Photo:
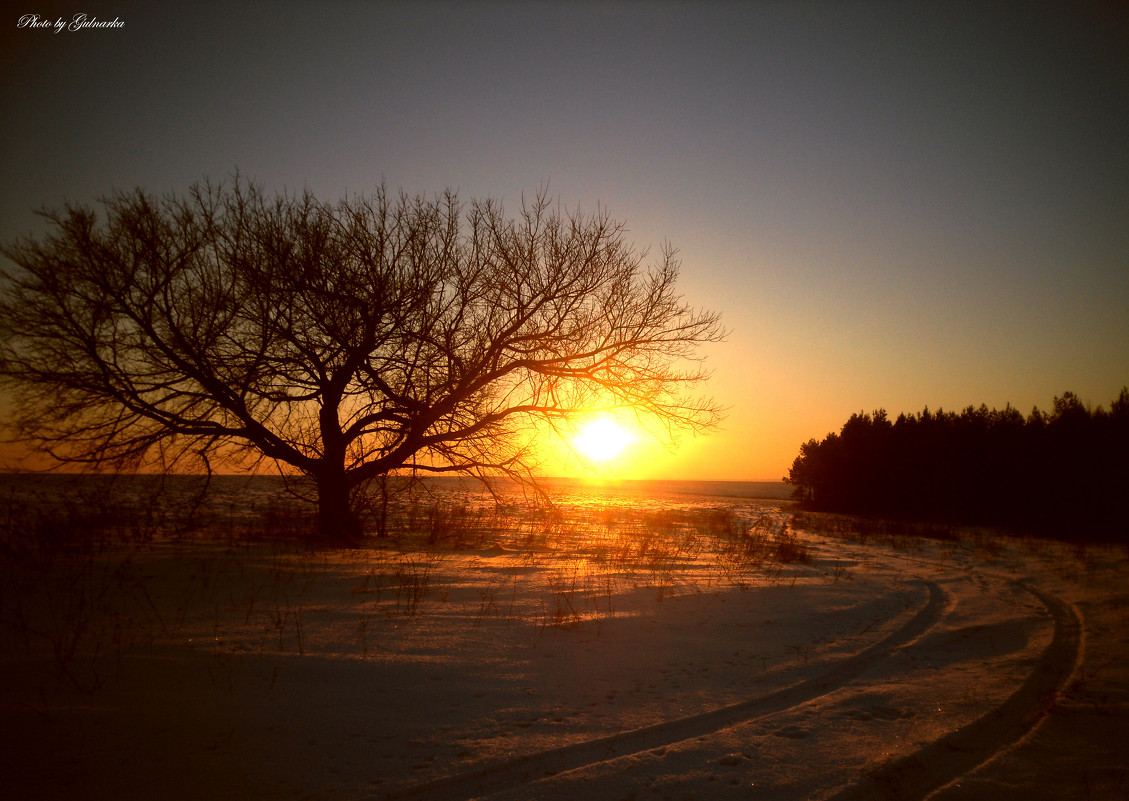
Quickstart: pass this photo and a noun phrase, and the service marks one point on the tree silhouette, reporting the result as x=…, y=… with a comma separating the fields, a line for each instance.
x=341, y=341
x=1062, y=472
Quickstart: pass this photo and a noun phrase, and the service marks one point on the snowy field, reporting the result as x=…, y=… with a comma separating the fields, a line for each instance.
x=667, y=649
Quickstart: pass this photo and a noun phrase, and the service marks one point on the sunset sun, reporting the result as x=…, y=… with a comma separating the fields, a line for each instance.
x=601, y=440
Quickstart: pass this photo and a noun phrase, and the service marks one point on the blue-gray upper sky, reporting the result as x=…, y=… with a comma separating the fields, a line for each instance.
x=892, y=204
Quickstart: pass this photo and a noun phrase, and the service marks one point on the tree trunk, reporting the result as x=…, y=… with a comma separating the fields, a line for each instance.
x=382, y=523
x=338, y=523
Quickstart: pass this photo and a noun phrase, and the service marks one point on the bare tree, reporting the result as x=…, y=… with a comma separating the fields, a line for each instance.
x=343, y=341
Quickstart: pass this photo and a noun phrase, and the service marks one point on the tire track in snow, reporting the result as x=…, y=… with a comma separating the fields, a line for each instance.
x=529, y=768
x=942, y=762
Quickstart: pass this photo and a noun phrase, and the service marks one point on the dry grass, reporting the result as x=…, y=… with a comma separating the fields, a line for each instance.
x=88, y=583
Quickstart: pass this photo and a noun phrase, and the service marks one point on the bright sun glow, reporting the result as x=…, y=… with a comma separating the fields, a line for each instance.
x=601, y=440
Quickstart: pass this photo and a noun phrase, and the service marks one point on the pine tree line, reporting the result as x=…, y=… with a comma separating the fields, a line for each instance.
x=1064, y=472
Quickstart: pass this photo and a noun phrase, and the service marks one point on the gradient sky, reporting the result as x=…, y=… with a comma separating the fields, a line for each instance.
x=892, y=204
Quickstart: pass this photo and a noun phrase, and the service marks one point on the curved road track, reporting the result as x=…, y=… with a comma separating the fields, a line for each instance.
x=947, y=759
x=914, y=776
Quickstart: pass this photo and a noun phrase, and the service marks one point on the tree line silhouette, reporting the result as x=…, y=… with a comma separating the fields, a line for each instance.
x=1063, y=472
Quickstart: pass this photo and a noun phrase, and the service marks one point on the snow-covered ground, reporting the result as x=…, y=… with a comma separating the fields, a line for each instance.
x=634, y=657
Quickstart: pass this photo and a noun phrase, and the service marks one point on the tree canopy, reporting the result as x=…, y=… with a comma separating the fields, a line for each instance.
x=1063, y=471
x=341, y=341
